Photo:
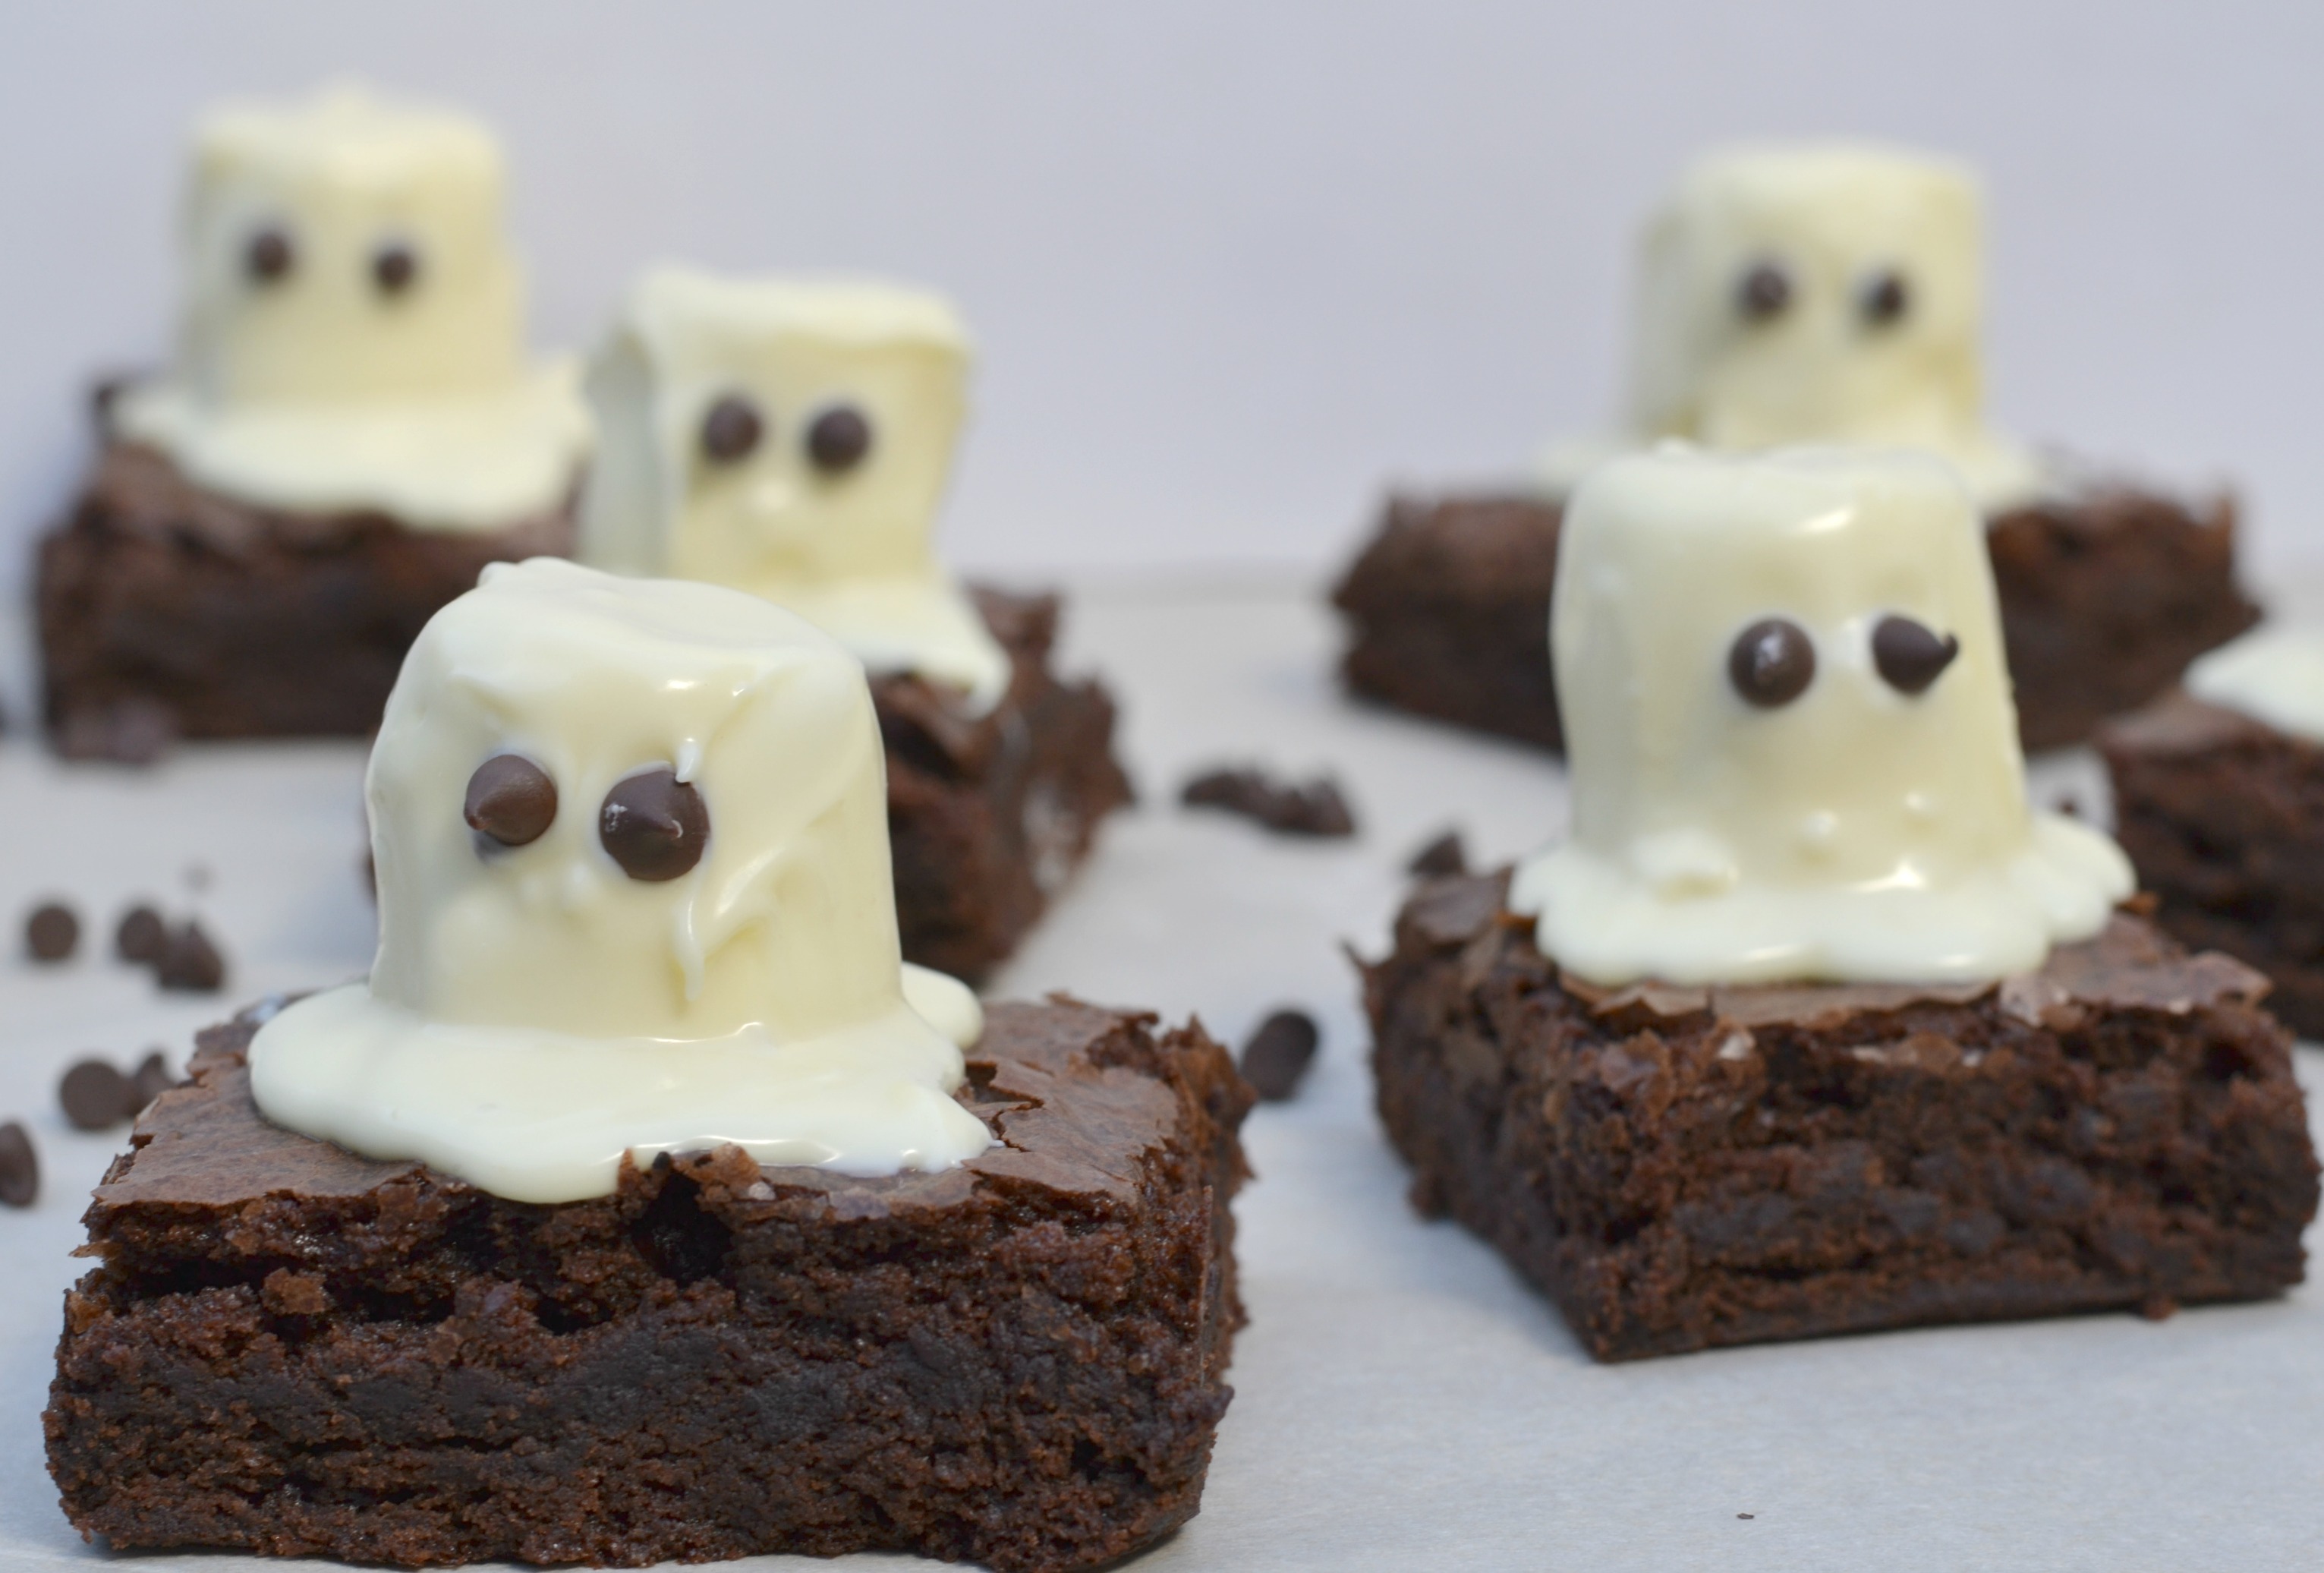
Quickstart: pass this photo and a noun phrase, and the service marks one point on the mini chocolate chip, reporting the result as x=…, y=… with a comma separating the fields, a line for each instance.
x=394, y=267
x=53, y=932
x=94, y=1094
x=1443, y=856
x=1910, y=657
x=19, y=1167
x=511, y=801
x=1278, y=1054
x=150, y=1080
x=269, y=256
x=1763, y=292
x=654, y=825
x=189, y=962
x=839, y=439
x=140, y=936
x=1771, y=662
x=732, y=428
x=1885, y=300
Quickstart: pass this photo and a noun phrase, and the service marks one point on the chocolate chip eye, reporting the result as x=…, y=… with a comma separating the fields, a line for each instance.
x=267, y=257
x=1771, y=662
x=654, y=825
x=1908, y=656
x=1883, y=299
x=839, y=439
x=395, y=268
x=730, y=430
x=1763, y=292
x=511, y=801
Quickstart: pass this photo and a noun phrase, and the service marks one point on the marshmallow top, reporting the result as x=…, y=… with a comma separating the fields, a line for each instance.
x=1778, y=771
x=352, y=334
x=2274, y=675
x=538, y=1007
x=1818, y=292
x=791, y=438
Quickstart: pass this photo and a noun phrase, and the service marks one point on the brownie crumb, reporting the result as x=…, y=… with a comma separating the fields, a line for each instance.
x=1313, y=809
x=140, y=936
x=95, y=1096
x=1445, y=854
x=1276, y=1059
x=191, y=963
x=1746, y=1515
x=53, y=933
x=19, y=1167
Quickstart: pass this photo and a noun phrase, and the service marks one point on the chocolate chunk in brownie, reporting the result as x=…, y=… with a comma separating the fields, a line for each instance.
x=168, y=611
x=291, y=1350
x=988, y=815
x=2106, y=597
x=1682, y=1167
x=2223, y=816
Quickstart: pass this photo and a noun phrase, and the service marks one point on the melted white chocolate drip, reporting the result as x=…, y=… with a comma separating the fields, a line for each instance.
x=318, y=390
x=1858, y=832
x=2274, y=675
x=1833, y=220
x=535, y=1012
x=852, y=550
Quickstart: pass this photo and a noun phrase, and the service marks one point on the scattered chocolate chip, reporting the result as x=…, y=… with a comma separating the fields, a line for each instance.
x=1771, y=662
x=19, y=1167
x=95, y=1096
x=394, y=267
x=1278, y=1054
x=141, y=936
x=1763, y=292
x=1443, y=856
x=1315, y=809
x=1885, y=300
x=732, y=428
x=654, y=825
x=839, y=439
x=1745, y=1515
x=149, y=1081
x=511, y=801
x=269, y=256
x=198, y=876
x=1908, y=656
x=53, y=932
x=2070, y=805
x=190, y=962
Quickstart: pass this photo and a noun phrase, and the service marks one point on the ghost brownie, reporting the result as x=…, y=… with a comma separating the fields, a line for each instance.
x=643, y=1203
x=1816, y=293
x=1812, y=1026
x=2218, y=797
x=792, y=437
x=350, y=433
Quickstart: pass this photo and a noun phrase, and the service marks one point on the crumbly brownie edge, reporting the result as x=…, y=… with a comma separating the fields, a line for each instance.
x=292, y=1351
x=1687, y=1169
x=2223, y=816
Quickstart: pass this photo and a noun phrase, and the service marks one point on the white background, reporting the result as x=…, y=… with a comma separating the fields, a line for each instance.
x=1235, y=266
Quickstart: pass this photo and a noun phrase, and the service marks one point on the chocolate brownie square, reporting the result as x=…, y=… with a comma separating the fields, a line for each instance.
x=291, y=1350
x=2223, y=816
x=167, y=610
x=1684, y=1168
x=2106, y=597
x=988, y=815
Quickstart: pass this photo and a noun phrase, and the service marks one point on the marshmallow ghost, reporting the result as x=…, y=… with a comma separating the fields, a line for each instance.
x=792, y=437
x=352, y=335
x=634, y=896
x=1818, y=293
x=1793, y=754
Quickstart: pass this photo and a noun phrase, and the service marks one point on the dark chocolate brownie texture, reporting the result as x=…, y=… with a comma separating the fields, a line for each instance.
x=167, y=610
x=1683, y=1168
x=988, y=815
x=2105, y=598
x=290, y=1350
x=2223, y=816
